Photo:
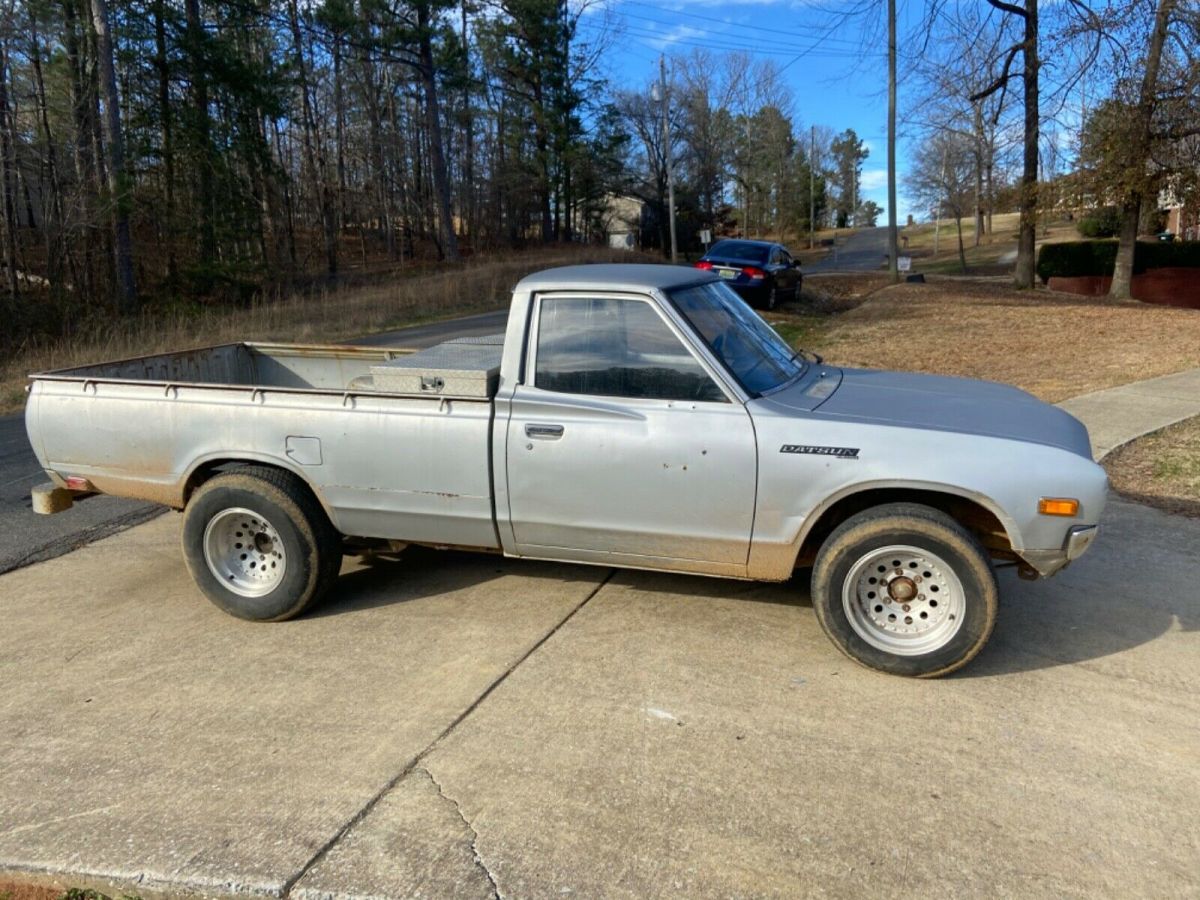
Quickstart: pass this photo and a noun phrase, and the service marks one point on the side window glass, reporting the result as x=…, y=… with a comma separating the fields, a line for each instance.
x=615, y=348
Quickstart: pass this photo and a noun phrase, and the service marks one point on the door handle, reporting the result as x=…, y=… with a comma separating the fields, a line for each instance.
x=549, y=432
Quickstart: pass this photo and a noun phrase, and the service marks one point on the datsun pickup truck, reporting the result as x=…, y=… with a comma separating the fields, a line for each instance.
x=631, y=415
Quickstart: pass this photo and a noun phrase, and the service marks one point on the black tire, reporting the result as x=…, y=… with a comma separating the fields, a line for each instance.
x=772, y=298
x=933, y=533
x=799, y=288
x=309, y=546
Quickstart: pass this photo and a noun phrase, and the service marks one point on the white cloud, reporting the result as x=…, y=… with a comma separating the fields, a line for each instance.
x=673, y=35
x=873, y=179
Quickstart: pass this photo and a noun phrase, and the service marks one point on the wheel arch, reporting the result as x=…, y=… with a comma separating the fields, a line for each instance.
x=206, y=467
x=977, y=513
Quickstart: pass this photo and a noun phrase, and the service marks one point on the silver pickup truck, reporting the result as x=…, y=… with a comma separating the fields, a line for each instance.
x=637, y=416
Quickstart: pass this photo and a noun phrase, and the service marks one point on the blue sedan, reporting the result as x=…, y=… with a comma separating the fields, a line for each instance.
x=762, y=272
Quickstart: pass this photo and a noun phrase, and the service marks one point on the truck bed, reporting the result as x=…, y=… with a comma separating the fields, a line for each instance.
x=377, y=459
x=293, y=366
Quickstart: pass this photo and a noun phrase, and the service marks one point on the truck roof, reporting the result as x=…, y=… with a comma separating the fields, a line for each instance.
x=614, y=277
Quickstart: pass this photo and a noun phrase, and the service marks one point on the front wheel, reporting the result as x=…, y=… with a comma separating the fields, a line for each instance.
x=905, y=589
x=259, y=545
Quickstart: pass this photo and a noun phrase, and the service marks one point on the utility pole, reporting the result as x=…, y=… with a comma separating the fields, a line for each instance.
x=893, y=263
x=662, y=80
x=853, y=196
x=812, y=197
x=937, y=226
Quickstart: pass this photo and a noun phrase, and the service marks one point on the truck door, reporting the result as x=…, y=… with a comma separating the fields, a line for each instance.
x=621, y=445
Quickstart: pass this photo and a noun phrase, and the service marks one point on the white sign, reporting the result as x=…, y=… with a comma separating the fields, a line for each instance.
x=705, y=236
x=904, y=263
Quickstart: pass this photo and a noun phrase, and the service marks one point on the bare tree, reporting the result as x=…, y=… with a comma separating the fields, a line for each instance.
x=1140, y=140
x=115, y=160
x=1027, y=15
x=943, y=178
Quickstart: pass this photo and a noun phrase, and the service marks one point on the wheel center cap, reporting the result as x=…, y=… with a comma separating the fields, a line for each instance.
x=902, y=589
x=263, y=543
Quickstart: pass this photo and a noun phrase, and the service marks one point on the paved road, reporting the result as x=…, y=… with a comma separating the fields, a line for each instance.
x=27, y=538
x=455, y=725
x=861, y=251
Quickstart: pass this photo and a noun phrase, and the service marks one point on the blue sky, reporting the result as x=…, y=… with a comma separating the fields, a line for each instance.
x=835, y=81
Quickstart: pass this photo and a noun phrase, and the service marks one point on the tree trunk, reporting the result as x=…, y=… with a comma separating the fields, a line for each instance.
x=468, y=193
x=168, y=142
x=978, y=128
x=339, y=113
x=1131, y=205
x=115, y=160
x=962, y=253
x=433, y=123
x=55, y=254
x=7, y=184
x=1027, y=238
x=199, y=85
x=314, y=158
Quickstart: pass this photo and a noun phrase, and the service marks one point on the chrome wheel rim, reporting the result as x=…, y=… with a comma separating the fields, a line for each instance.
x=904, y=600
x=244, y=552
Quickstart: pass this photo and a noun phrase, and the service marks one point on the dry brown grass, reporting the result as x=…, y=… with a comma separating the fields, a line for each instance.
x=482, y=284
x=1162, y=469
x=1051, y=344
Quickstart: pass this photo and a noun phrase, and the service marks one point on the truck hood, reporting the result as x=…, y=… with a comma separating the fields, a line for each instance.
x=962, y=405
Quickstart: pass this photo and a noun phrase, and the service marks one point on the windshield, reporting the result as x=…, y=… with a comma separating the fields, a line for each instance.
x=739, y=250
x=758, y=357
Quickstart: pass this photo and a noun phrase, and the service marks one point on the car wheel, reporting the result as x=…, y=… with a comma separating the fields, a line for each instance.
x=905, y=589
x=772, y=297
x=259, y=545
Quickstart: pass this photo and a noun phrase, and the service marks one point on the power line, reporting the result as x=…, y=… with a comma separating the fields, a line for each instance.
x=643, y=36
x=819, y=34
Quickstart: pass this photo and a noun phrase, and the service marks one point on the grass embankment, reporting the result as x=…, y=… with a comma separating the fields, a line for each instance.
x=479, y=285
x=1162, y=469
x=994, y=255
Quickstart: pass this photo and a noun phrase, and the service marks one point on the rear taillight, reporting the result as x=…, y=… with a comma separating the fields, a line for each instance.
x=703, y=264
x=752, y=272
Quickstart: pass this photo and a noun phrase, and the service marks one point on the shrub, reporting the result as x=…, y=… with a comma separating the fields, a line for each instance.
x=1100, y=223
x=1076, y=259
x=1163, y=255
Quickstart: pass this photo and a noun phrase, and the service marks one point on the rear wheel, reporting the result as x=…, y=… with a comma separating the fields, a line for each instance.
x=259, y=545
x=905, y=589
x=772, y=297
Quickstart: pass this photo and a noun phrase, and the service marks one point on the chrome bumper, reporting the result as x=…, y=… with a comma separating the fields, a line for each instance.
x=1079, y=538
x=1048, y=562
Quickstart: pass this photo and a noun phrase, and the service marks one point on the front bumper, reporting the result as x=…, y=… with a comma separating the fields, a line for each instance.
x=1049, y=562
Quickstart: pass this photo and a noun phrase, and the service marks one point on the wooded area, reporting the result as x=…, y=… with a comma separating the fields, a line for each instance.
x=155, y=153
x=159, y=151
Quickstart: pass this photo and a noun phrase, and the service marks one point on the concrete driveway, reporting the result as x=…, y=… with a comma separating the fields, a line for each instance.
x=453, y=725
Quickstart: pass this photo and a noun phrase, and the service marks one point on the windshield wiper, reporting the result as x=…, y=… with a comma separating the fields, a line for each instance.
x=817, y=358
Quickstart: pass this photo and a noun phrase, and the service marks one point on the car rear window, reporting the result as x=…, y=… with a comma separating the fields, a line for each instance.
x=739, y=250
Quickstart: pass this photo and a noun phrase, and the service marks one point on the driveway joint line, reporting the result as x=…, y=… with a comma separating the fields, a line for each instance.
x=324, y=850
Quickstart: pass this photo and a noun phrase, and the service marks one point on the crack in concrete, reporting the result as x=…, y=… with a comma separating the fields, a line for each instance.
x=415, y=762
x=483, y=867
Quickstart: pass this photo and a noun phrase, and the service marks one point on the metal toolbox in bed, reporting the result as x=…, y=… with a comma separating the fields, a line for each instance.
x=465, y=369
